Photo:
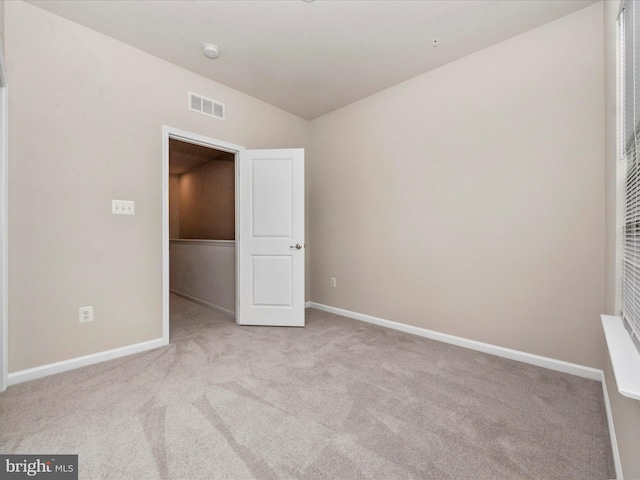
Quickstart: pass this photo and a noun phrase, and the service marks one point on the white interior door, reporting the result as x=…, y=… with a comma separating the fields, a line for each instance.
x=271, y=238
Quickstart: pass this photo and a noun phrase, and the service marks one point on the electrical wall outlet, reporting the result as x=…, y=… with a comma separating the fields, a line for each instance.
x=333, y=281
x=123, y=207
x=86, y=314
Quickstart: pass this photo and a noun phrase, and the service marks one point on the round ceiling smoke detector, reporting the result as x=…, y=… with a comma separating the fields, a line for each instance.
x=211, y=50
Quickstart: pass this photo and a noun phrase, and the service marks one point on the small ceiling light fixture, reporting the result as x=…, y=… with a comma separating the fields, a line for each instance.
x=435, y=42
x=211, y=50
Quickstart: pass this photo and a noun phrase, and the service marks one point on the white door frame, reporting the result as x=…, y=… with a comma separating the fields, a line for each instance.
x=189, y=137
x=4, y=237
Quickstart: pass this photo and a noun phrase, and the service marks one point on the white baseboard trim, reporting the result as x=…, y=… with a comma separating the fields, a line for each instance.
x=550, y=363
x=217, y=308
x=73, y=363
x=612, y=431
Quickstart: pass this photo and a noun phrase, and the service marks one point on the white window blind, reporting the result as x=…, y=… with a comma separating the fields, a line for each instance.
x=630, y=53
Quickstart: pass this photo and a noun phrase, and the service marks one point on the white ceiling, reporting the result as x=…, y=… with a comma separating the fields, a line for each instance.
x=310, y=58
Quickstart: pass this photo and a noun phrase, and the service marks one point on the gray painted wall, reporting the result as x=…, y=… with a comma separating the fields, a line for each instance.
x=85, y=130
x=470, y=200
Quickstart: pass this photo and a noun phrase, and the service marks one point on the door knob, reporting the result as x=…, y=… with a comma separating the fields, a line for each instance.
x=297, y=245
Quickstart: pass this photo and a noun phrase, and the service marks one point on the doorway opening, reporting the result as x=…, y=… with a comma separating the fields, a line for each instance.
x=199, y=222
x=202, y=225
x=269, y=232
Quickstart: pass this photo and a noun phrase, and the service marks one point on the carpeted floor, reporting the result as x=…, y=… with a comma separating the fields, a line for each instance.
x=339, y=399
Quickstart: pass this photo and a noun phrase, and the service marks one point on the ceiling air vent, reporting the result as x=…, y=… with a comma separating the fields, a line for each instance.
x=206, y=106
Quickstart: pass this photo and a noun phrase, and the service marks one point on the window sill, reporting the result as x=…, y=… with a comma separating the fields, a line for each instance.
x=625, y=357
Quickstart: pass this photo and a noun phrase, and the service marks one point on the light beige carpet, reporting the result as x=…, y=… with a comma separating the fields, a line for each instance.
x=339, y=399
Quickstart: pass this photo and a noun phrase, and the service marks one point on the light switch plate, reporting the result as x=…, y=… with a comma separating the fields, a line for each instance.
x=123, y=207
